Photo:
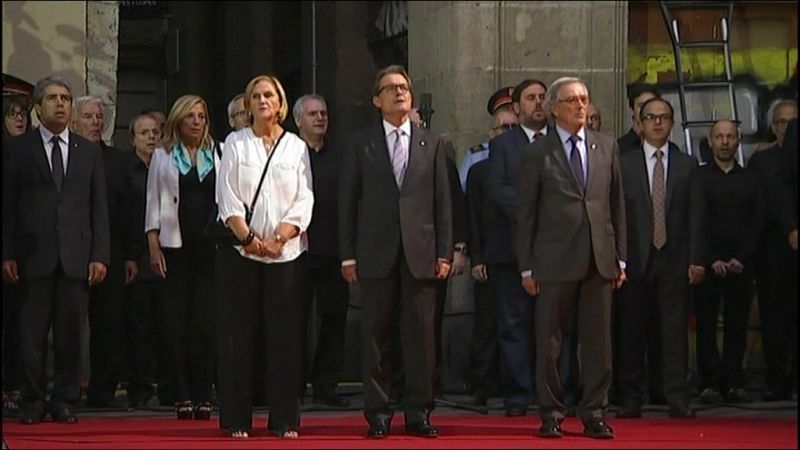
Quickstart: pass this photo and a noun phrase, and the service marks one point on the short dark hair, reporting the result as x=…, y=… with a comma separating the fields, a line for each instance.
x=656, y=99
x=517, y=94
x=393, y=69
x=638, y=89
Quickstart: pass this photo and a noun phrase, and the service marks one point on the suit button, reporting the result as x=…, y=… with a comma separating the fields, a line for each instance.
x=174, y=199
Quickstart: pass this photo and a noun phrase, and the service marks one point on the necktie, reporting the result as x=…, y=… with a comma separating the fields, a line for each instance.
x=399, y=157
x=536, y=136
x=58, y=163
x=657, y=196
x=575, y=160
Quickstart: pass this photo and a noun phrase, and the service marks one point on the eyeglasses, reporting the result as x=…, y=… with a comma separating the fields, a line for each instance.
x=395, y=88
x=658, y=117
x=239, y=113
x=575, y=99
x=504, y=126
x=17, y=114
x=780, y=122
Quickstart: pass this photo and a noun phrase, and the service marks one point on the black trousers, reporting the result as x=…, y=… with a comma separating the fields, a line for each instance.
x=777, y=307
x=254, y=296
x=736, y=291
x=554, y=309
x=146, y=355
x=484, y=353
x=108, y=334
x=332, y=295
x=56, y=301
x=187, y=316
x=12, y=360
x=654, y=307
x=410, y=301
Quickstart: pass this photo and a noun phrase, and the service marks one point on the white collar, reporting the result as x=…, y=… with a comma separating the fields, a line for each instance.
x=388, y=128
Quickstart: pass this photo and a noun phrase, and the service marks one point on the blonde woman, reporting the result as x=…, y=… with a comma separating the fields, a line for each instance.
x=181, y=183
x=265, y=276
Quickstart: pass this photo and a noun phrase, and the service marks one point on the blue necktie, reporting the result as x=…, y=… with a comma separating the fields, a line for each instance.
x=575, y=161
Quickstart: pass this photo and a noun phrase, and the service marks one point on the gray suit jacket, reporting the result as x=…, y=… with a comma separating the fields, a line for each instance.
x=377, y=219
x=41, y=225
x=561, y=227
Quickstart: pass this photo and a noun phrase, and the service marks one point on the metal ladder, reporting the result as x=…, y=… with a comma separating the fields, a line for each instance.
x=678, y=46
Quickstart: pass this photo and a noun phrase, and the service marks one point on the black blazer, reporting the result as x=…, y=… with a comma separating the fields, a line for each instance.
x=685, y=212
x=460, y=223
x=488, y=243
x=41, y=225
x=377, y=219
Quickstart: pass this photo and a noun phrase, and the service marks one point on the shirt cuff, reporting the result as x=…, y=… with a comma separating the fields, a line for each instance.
x=526, y=273
x=622, y=265
x=348, y=262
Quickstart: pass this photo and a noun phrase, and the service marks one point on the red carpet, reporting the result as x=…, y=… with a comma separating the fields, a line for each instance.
x=346, y=430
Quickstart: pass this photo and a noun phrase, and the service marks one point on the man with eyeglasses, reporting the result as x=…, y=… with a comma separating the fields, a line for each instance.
x=237, y=113
x=774, y=268
x=396, y=241
x=514, y=305
x=55, y=245
x=571, y=249
x=665, y=256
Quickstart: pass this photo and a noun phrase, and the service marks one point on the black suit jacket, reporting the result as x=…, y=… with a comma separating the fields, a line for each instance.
x=685, y=212
x=377, y=219
x=460, y=223
x=42, y=225
x=789, y=177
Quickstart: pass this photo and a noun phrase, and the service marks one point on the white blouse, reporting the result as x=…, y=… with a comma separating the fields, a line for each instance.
x=286, y=195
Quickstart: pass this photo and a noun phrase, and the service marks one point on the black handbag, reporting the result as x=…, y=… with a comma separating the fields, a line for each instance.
x=216, y=229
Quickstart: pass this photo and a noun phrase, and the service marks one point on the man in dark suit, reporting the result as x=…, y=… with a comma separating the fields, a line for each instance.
x=514, y=306
x=665, y=256
x=571, y=251
x=637, y=95
x=396, y=240
x=107, y=338
x=55, y=244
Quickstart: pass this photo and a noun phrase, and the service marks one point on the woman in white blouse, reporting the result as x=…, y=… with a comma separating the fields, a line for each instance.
x=181, y=184
x=263, y=279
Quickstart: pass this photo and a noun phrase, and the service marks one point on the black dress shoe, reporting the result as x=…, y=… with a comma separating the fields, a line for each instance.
x=629, y=412
x=598, y=429
x=680, y=411
x=63, y=413
x=516, y=411
x=378, y=429
x=422, y=429
x=775, y=395
x=30, y=416
x=550, y=428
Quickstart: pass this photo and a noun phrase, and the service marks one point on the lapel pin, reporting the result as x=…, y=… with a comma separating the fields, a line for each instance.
x=422, y=143
x=594, y=146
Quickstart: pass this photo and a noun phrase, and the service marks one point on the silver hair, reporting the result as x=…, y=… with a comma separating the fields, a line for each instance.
x=232, y=103
x=42, y=84
x=777, y=104
x=551, y=98
x=85, y=100
x=297, y=110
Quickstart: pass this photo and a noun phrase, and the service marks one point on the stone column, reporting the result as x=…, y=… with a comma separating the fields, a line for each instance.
x=102, y=51
x=462, y=52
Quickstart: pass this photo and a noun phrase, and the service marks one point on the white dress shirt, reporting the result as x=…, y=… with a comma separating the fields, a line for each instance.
x=47, y=137
x=529, y=133
x=391, y=136
x=285, y=197
x=650, y=160
x=564, y=136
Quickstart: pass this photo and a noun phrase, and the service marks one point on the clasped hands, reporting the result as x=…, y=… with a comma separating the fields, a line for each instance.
x=265, y=248
x=721, y=268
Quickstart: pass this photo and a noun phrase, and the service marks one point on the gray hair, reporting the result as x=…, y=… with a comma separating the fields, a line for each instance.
x=551, y=97
x=42, y=84
x=85, y=100
x=135, y=120
x=297, y=110
x=232, y=103
x=777, y=104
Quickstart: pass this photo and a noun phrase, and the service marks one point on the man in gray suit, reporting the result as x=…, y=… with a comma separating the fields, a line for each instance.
x=55, y=245
x=396, y=240
x=571, y=252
